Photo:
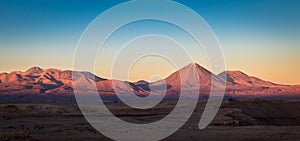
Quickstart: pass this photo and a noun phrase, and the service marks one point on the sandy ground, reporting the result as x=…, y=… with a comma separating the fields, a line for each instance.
x=237, y=120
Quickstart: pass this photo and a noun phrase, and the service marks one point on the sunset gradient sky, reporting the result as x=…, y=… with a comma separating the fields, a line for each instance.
x=258, y=37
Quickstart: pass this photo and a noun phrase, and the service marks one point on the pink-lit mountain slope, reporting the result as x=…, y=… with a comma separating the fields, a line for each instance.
x=53, y=81
x=239, y=83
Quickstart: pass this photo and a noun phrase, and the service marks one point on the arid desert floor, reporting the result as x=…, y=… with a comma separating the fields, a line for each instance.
x=246, y=120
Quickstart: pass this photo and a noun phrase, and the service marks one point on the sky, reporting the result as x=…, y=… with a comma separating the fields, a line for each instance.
x=258, y=37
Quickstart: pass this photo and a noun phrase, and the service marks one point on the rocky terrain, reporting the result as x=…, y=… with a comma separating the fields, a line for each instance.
x=244, y=120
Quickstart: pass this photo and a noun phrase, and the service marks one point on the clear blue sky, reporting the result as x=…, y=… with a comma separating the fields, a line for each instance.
x=260, y=37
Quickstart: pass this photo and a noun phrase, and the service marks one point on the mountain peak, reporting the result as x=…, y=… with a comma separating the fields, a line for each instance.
x=197, y=67
x=193, y=65
x=141, y=82
x=241, y=78
x=191, y=76
x=34, y=70
x=236, y=72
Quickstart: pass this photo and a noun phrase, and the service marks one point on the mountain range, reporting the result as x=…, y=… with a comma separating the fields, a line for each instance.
x=37, y=81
